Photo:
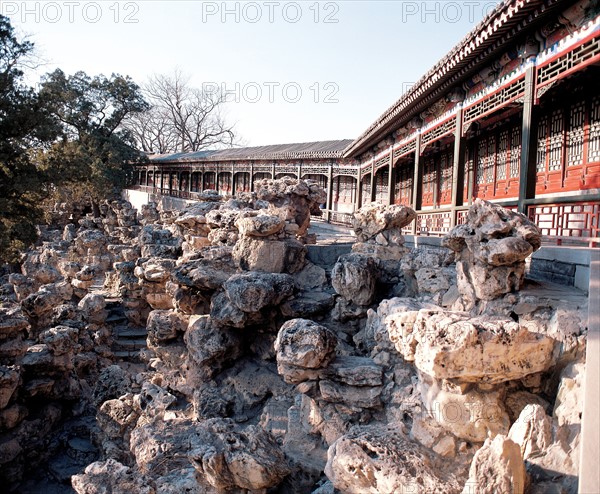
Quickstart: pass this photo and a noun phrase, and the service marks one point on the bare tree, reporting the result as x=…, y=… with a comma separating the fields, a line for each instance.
x=181, y=118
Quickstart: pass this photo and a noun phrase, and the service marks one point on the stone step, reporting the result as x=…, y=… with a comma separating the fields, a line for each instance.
x=129, y=344
x=129, y=332
x=115, y=318
x=128, y=355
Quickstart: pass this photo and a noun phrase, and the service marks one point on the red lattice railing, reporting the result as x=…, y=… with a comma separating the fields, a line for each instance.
x=570, y=221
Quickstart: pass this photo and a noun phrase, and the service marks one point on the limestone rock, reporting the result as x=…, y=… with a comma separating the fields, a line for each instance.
x=247, y=459
x=102, y=477
x=532, y=431
x=382, y=460
x=269, y=256
x=204, y=274
x=224, y=313
x=304, y=343
x=209, y=346
x=395, y=319
x=311, y=276
x=375, y=218
x=497, y=467
x=469, y=415
x=491, y=248
x=253, y=291
x=164, y=325
x=354, y=277
x=9, y=380
x=474, y=349
x=60, y=340
x=308, y=305
x=259, y=226
x=292, y=200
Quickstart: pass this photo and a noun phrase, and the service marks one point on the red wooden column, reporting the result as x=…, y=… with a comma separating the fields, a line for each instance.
x=373, y=183
x=458, y=167
x=329, y=204
x=417, y=180
x=391, y=177
x=528, y=140
x=359, y=191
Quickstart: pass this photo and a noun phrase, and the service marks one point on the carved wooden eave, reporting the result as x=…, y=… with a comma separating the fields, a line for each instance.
x=508, y=20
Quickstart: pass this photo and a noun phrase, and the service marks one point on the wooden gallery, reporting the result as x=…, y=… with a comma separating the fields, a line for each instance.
x=511, y=114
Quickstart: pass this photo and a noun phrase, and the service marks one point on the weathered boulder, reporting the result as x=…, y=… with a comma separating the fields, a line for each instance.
x=102, y=477
x=382, y=460
x=466, y=412
x=204, y=274
x=60, y=340
x=46, y=298
x=269, y=256
x=210, y=346
x=354, y=277
x=253, y=291
x=9, y=380
x=164, y=325
x=374, y=218
x=304, y=343
x=112, y=382
x=155, y=270
x=262, y=225
x=454, y=345
x=491, y=248
x=395, y=319
x=244, y=459
x=497, y=467
x=292, y=200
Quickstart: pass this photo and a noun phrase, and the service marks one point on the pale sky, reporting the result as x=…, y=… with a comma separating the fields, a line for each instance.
x=295, y=71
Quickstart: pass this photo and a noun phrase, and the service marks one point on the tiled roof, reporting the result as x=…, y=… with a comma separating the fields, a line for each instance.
x=508, y=19
x=305, y=150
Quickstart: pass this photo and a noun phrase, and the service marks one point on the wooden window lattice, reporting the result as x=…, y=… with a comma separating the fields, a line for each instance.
x=446, y=162
x=556, y=141
x=502, y=155
x=541, y=145
x=594, y=136
x=575, y=135
x=481, y=161
x=515, y=152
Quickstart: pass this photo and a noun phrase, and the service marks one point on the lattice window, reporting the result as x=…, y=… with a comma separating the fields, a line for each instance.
x=481, y=161
x=225, y=182
x=404, y=185
x=541, y=147
x=495, y=101
x=209, y=181
x=407, y=148
x=429, y=175
x=382, y=185
x=366, y=189
x=556, y=140
x=491, y=159
x=320, y=179
x=502, y=155
x=580, y=54
x=345, y=188
x=594, y=138
x=515, y=152
x=382, y=162
x=242, y=182
x=446, y=160
x=575, y=134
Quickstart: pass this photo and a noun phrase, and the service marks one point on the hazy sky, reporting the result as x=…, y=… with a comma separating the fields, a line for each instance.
x=295, y=71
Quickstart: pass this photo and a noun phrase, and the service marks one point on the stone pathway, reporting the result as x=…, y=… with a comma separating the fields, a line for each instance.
x=328, y=234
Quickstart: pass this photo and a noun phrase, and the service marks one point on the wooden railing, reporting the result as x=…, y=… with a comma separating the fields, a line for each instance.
x=563, y=222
